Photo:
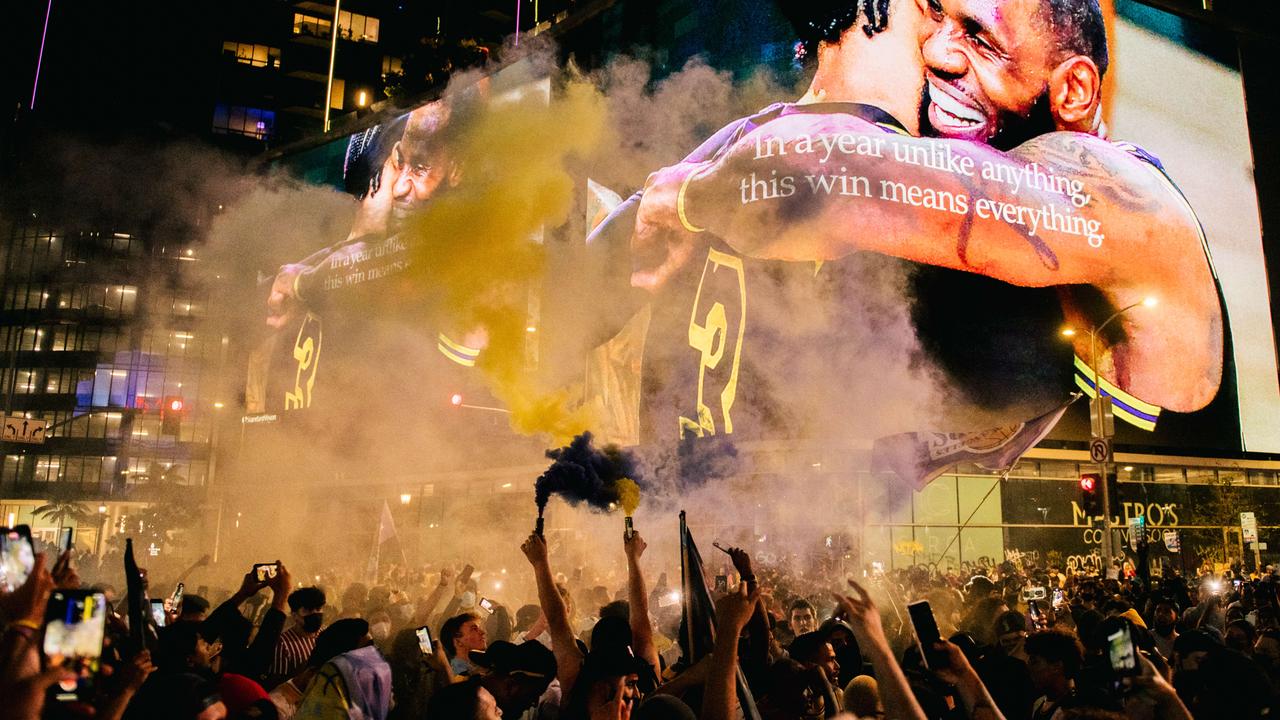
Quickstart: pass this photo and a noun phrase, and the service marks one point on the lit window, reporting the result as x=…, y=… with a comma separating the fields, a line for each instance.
x=251, y=54
x=338, y=93
x=391, y=65
x=310, y=25
x=361, y=28
x=236, y=120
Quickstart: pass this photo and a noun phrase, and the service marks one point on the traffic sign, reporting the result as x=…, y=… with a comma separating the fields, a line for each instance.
x=1100, y=450
x=1248, y=527
x=24, y=430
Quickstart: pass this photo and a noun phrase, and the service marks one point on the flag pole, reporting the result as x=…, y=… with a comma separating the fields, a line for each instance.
x=1003, y=476
x=684, y=584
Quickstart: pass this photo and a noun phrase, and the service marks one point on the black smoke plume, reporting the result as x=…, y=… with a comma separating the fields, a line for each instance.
x=581, y=473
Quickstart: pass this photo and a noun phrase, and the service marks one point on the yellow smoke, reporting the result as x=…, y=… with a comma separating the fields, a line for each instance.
x=477, y=246
x=628, y=496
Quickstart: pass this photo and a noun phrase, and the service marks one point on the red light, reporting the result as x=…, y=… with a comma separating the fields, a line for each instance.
x=1088, y=483
x=175, y=405
x=456, y=399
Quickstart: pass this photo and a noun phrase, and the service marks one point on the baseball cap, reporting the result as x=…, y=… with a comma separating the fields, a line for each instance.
x=530, y=658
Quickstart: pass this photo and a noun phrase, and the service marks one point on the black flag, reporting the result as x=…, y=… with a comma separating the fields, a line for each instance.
x=698, y=616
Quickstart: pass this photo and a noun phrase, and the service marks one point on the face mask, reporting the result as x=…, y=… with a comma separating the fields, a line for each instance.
x=311, y=623
x=380, y=631
x=467, y=600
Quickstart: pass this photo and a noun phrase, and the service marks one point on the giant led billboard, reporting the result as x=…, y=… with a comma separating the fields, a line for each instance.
x=951, y=214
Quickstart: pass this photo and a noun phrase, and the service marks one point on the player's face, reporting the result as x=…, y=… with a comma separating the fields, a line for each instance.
x=987, y=67
x=415, y=179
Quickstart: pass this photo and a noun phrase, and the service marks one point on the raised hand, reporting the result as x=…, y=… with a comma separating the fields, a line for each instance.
x=742, y=563
x=535, y=548
x=861, y=612
x=27, y=603
x=634, y=546
x=735, y=609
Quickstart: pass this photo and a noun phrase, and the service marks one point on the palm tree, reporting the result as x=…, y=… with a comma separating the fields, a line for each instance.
x=63, y=506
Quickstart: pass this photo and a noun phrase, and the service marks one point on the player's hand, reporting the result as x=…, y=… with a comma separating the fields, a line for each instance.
x=661, y=244
x=283, y=303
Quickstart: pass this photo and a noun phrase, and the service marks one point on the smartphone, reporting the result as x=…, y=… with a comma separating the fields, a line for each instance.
x=17, y=556
x=75, y=624
x=1033, y=593
x=465, y=576
x=265, y=571
x=64, y=540
x=1058, y=598
x=424, y=640
x=175, y=600
x=157, y=612
x=1037, y=617
x=487, y=604
x=1121, y=653
x=927, y=633
x=722, y=584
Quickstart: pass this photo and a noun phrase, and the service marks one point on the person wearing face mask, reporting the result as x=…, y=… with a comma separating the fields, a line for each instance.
x=380, y=627
x=306, y=606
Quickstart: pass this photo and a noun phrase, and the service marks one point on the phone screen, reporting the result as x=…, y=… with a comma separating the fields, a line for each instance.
x=926, y=628
x=487, y=604
x=74, y=627
x=17, y=557
x=1120, y=651
x=722, y=583
x=424, y=640
x=1058, y=597
x=265, y=571
x=157, y=612
x=64, y=541
x=175, y=601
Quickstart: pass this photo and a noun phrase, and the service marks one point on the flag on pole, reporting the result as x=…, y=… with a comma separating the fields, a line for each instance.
x=919, y=457
x=386, y=525
x=386, y=531
x=698, y=616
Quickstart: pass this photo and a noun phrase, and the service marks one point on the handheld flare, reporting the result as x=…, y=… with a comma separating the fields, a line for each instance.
x=629, y=499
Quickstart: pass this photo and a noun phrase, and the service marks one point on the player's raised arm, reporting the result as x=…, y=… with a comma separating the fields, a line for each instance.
x=1065, y=208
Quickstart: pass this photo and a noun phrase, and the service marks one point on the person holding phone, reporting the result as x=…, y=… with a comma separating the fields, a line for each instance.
x=306, y=615
x=239, y=655
x=864, y=617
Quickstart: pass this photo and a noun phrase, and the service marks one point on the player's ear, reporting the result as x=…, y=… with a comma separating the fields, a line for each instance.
x=397, y=157
x=1075, y=93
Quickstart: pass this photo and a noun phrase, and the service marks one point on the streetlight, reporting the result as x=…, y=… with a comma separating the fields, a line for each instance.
x=405, y=498
x=1097, y=419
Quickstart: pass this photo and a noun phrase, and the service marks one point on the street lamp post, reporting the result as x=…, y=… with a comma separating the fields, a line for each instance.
x=1098, y=423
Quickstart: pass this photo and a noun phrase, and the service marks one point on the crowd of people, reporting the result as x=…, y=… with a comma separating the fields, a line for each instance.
x=1016, y=642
